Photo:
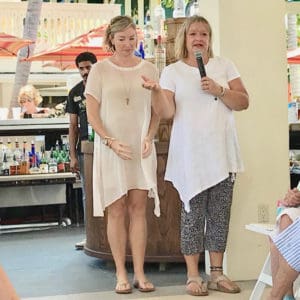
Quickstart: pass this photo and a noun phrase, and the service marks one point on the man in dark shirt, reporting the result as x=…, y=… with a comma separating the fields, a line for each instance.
x=76, y=107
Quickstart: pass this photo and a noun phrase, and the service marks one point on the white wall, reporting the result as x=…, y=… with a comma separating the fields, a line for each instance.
x=252, y=34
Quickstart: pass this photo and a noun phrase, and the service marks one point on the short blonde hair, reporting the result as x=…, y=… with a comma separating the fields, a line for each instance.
x=117, y=24
x=30, y=92
x=180, y=42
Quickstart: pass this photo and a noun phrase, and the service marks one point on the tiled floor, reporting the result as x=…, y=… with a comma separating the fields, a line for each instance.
x=162, y=293
x=44, y=265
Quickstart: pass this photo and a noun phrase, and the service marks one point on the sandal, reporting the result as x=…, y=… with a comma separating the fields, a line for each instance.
x=145, y=289
x=216, y=284
x=201, y=286
x=123, y=288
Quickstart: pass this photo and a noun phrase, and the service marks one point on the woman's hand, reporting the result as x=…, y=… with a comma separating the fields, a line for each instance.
x=122, y=150
x=146, y=147
x=150, y=84
x=292, y=198
x=210, y=86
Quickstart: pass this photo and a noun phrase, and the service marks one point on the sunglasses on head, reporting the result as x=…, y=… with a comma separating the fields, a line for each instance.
x=23, y=100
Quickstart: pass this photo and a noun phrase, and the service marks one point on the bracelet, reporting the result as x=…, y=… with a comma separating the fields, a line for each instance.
x=110, y=141
x=107, y=141
x=223, y=90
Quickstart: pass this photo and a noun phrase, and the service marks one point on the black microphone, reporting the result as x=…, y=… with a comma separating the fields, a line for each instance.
x=200, y=64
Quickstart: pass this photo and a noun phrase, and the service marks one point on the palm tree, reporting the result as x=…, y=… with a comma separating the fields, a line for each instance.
x=30, y=31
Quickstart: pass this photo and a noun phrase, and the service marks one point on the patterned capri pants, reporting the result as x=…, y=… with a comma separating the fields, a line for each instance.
x=212, y=207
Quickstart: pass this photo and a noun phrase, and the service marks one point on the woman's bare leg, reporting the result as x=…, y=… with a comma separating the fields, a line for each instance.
x=117, y=237
x=137, y=205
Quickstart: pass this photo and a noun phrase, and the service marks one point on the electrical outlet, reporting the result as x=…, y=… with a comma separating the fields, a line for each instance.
x=263, y=213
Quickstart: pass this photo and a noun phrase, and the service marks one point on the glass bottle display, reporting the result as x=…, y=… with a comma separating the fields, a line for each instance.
x=159, y=17
x=148, y=38
x=179, y=9
x=160, y=55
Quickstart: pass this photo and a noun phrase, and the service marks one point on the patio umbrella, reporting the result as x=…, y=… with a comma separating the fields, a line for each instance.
x=62, y=65
x=293, y=56
x=63, y=53
x=10, y=44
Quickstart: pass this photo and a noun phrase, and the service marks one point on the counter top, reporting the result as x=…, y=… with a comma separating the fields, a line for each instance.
x=31, y=123
x=37, y=179
x=294, y=126
x=34, y=126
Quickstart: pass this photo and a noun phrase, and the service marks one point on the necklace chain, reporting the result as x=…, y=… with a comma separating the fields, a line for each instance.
x=126, y=88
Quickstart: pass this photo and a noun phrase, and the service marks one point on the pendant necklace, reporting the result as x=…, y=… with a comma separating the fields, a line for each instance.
x=126, y=88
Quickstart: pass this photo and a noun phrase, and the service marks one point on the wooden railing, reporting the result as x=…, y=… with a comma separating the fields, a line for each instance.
x=59, y=22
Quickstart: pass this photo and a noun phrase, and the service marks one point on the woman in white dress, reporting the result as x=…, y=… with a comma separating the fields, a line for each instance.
x=124, y=171
x=204, y=153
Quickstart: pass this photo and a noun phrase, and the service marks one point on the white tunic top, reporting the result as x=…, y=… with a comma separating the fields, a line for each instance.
x=203, y=145
x=127, y=121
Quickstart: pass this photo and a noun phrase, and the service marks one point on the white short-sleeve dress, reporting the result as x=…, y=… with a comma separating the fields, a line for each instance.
x=125, y=110
x=203, y=146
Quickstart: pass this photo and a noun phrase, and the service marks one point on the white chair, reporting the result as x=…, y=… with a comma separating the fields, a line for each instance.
x=265, y=276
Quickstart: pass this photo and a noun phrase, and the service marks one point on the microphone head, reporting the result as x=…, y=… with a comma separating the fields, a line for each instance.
x=198, y=54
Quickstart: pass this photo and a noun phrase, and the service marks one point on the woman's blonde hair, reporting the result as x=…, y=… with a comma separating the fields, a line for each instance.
x=180, y=42
x=30, y=92
x=117, y=24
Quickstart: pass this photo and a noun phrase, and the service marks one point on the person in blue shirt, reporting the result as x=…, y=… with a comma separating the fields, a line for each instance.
x=285, y=248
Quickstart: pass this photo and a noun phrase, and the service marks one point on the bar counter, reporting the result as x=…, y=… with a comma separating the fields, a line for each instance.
x=163, y=242
x=34, y=189
x=38, y=126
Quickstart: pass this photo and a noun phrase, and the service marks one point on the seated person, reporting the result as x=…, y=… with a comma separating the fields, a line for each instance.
x=285, y=248
x=7, y=290
x=29, y=98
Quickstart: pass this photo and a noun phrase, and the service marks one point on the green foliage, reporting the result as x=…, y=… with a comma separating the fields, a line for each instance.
x=170, y=3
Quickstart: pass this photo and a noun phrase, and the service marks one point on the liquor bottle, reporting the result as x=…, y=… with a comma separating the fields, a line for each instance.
x=159, y=16
x=160, y=55
x=9, y=152
x=52, y=163
x=33, y=169
x=18, y=151
x=24, y=148
x=14, y=168
x=4, y=168
x=60, y=163
x=194, y=9
x=44, y=167
x=179, y=7
x=57, y=149
x=141, y=50
x=24, y=164
x=91, y=133
x=1, y=152
x=148, y=37
x=67, y=163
